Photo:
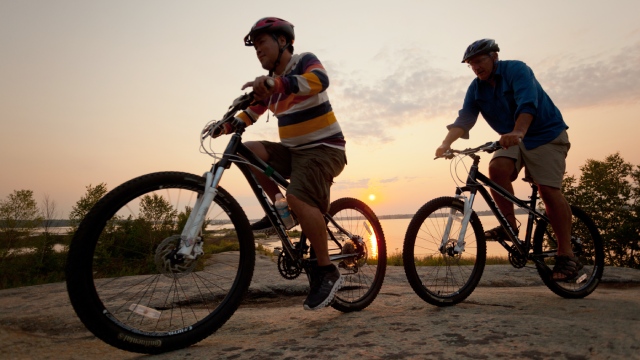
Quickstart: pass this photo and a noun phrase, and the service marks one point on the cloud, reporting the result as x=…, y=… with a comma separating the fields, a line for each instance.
x=607, y=79
x=390, y=180
x=350, y=184
x=414, y=89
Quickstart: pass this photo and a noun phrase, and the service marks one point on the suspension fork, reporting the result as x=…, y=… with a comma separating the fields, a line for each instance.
x=467, y=209
x=464, y=222
x=190, y=234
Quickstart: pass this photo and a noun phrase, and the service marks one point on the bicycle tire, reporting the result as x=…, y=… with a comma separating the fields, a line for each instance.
x=120, y=285
x=443, y=278
x=587, y=245
x=363, y=278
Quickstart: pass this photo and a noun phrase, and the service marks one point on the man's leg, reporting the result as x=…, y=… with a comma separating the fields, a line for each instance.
x=559, y=214
x=325, y=279
x=269, y=187
x=502, y=171
x=308, y=196
x=312, y=222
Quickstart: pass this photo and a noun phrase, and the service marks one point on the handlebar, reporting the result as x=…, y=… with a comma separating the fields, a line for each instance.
x=489, y=147
x=240, y=103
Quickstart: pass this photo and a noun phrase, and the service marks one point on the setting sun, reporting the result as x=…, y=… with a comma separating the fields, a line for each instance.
x=372, y=197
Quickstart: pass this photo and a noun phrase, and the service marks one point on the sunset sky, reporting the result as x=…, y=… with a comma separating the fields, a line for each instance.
x=104, y=91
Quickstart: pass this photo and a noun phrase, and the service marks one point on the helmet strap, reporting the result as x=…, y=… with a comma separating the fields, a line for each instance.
x=280, y=51
x=493, y=71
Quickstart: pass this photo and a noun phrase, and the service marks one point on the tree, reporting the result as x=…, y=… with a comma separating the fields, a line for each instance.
x=158, y=212
x=609, y=191
x=19, y=216
x=86, y=202
x=48, y=214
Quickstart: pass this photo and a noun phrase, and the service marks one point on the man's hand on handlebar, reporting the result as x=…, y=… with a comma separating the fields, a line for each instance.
x=511, y=139
x=216, y=129
x=262, y=87
x=442, y=149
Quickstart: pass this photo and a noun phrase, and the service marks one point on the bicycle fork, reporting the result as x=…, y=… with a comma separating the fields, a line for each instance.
x=190, y=241
x=464, y=222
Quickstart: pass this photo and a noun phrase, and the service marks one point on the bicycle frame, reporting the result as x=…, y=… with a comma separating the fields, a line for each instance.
x=476, y=182
x=234, y=148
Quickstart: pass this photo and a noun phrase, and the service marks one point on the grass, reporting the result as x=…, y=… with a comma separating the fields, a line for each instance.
x=395, y=259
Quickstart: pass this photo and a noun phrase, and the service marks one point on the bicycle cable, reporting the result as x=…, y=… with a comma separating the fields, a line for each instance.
x=453, y=170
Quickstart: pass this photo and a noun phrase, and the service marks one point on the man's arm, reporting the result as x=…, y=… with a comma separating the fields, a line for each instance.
x=454, y=134
x=522, y=125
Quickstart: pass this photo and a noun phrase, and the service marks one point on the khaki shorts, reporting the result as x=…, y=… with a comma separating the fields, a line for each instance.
x=310, y=171
x=545, y=165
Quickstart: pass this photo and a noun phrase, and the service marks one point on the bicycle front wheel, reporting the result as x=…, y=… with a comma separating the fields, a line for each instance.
x=123, y=283
x=363, y=274
x=438, y=273
x=587, y=246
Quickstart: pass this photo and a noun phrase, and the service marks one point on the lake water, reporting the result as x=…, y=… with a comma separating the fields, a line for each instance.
x=395, y=229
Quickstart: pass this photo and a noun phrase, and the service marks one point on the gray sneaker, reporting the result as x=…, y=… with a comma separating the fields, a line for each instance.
x=324, y=286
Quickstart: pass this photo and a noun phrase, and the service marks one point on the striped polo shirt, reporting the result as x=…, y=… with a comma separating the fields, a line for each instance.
x=301, y=105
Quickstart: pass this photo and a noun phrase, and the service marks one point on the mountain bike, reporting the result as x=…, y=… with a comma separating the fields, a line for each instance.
x=444, y=250
x=163, y=260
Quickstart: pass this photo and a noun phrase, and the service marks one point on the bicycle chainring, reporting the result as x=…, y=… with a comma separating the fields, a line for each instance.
x=516, y=260
x=167, y=264
x=288, y=267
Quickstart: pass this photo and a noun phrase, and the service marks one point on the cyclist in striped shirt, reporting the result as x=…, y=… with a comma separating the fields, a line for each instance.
x=311, y=151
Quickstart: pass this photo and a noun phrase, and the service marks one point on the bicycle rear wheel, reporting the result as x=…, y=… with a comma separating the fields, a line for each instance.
x=437, y=274
x=122, y=283
x=364, y=273
x=587, y=246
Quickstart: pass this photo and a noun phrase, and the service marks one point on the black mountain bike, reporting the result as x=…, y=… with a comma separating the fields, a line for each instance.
x=444, y=250
x=164, y=260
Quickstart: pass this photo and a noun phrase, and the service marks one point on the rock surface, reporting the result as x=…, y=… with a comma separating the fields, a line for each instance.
x=510, y=315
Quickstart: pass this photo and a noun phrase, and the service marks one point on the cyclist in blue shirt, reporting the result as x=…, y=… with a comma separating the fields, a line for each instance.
x=532, y=133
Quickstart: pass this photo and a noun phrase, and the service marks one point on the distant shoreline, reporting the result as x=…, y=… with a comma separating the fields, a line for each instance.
x=67, y=223
x=409, y=216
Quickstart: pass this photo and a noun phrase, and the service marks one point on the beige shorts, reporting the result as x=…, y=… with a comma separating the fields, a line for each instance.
x=311, y=171
x=545, y=165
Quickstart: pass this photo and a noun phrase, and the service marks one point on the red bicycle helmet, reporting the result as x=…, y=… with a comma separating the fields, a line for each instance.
x=270, y=25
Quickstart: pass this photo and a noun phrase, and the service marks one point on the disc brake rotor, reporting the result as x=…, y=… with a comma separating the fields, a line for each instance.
x=165, y=262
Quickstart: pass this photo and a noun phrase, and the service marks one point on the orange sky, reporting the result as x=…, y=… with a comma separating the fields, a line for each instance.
x=96, y=92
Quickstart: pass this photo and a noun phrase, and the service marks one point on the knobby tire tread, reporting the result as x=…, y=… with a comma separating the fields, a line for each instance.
x=409, y=264
x=598, y=247
x=80, y=283
x=366, y=300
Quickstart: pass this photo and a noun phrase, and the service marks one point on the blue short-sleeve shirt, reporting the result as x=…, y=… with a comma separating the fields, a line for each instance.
x=516, y=91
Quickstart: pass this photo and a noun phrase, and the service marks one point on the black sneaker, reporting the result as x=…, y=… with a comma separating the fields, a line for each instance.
x=324, y=285
x=262, y=225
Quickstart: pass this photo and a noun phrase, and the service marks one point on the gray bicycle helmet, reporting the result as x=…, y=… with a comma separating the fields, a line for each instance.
x=483, y=46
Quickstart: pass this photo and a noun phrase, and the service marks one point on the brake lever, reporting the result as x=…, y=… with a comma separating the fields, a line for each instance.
x=492, y=146
x=447, y=155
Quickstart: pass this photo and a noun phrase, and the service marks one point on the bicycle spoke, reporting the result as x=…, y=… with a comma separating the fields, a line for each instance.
x=436, y=269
